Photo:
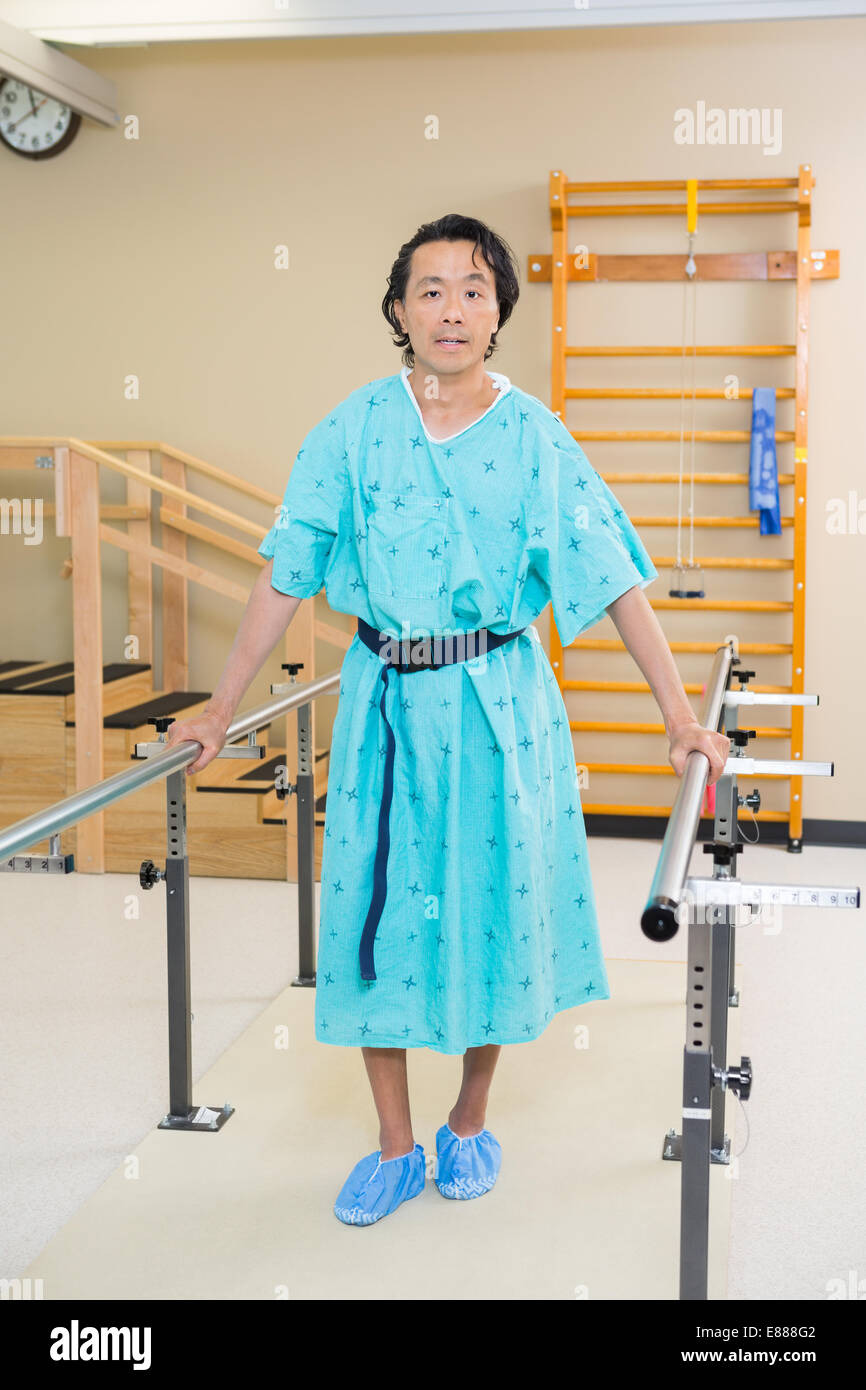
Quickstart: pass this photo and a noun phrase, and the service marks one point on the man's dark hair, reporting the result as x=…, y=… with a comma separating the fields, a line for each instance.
x=453, y=227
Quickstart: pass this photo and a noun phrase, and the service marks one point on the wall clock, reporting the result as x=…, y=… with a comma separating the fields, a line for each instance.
x=32, y=124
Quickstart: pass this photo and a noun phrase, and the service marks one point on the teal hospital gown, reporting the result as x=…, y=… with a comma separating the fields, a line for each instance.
x=489, y=923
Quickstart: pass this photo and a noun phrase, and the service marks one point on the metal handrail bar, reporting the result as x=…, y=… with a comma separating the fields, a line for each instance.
x=659, y=920
x=24, y=833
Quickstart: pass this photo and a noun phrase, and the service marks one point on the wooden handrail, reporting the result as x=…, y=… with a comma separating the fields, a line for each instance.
x=149, y=480
x=209, y=470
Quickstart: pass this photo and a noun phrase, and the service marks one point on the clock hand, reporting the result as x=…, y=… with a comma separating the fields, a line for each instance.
x=27, y=114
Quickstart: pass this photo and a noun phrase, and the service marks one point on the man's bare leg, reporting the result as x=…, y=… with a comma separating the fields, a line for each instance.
x=386, y=1069
x=470, y=1109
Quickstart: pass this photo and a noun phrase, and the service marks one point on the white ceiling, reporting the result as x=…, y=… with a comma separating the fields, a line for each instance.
x=114, y=22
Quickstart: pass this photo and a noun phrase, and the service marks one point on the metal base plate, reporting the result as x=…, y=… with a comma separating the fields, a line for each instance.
x=200, y=1117
x=672, y=1149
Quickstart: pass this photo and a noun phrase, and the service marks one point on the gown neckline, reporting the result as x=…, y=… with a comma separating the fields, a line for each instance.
x=500, y=381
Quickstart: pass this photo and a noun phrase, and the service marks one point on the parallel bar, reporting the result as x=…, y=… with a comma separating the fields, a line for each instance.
x=673, y=863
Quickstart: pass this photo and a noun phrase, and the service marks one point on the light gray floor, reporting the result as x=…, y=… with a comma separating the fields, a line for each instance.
x=85, y=1057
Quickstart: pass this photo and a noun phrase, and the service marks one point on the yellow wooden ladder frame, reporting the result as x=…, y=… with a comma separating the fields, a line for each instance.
x=803, y=265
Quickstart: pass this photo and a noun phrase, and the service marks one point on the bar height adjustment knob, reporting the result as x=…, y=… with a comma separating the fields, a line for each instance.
x=161, y=721
x=149, y=874
x=736, y=1079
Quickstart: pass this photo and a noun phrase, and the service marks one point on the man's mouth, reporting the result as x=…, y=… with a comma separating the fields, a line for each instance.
x=453, y=341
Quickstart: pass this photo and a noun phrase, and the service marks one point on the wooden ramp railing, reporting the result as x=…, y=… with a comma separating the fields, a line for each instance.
x=797, y=267
x=78, y=514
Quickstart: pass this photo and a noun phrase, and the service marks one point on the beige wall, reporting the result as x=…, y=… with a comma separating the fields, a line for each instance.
x=155, y=257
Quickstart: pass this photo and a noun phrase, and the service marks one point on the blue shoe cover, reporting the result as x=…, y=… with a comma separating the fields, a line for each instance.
x=466, y=1167
x=373, y=1189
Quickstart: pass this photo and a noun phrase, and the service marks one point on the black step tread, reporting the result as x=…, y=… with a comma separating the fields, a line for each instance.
x=14, y=665
x=267, y=769
x=276, y=820
x=13, y=684
x=135, y=715
x=260, y=777
x=115, y=671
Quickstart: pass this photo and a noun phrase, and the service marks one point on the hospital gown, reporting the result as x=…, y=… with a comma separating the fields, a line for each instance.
x=489, y=924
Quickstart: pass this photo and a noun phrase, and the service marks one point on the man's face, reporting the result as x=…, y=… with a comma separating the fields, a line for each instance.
x=449, y=296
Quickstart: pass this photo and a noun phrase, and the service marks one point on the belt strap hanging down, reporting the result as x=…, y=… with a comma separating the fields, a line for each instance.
x=457, y=647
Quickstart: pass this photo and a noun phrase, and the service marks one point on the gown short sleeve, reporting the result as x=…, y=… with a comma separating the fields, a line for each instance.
x=301, y=540
x=592, y=554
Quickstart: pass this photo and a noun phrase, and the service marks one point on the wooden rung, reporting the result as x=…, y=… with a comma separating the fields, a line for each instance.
x=626, y=726
x=731, y=350
x=713, y=605
x=702, y=436
x=747, y=522
x=642, y=687
x=741, y=479
x=665, y=770
x=335, y=635
x=725, y=562
x=677, y=185
x=608, y=644
x=179, y=522
x=108, y=511
x=595, y=809
x=664, y=393
x=583, y=266
x=674, y=209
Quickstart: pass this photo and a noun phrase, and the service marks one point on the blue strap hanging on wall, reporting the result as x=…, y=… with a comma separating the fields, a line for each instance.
x=763, y=468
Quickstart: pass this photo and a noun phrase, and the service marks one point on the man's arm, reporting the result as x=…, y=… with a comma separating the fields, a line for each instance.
x=641, y=632
x=268, y=613
x=266, y=617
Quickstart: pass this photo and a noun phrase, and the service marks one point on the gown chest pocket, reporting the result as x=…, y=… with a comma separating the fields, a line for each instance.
x=406, y=537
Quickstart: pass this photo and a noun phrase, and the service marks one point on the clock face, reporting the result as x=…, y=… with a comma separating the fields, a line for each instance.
x=32, y=124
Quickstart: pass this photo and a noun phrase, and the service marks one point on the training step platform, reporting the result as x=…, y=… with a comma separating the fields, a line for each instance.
x=236, y=823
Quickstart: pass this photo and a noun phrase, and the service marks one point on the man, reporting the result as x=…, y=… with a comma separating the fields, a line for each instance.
x=457, y=911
